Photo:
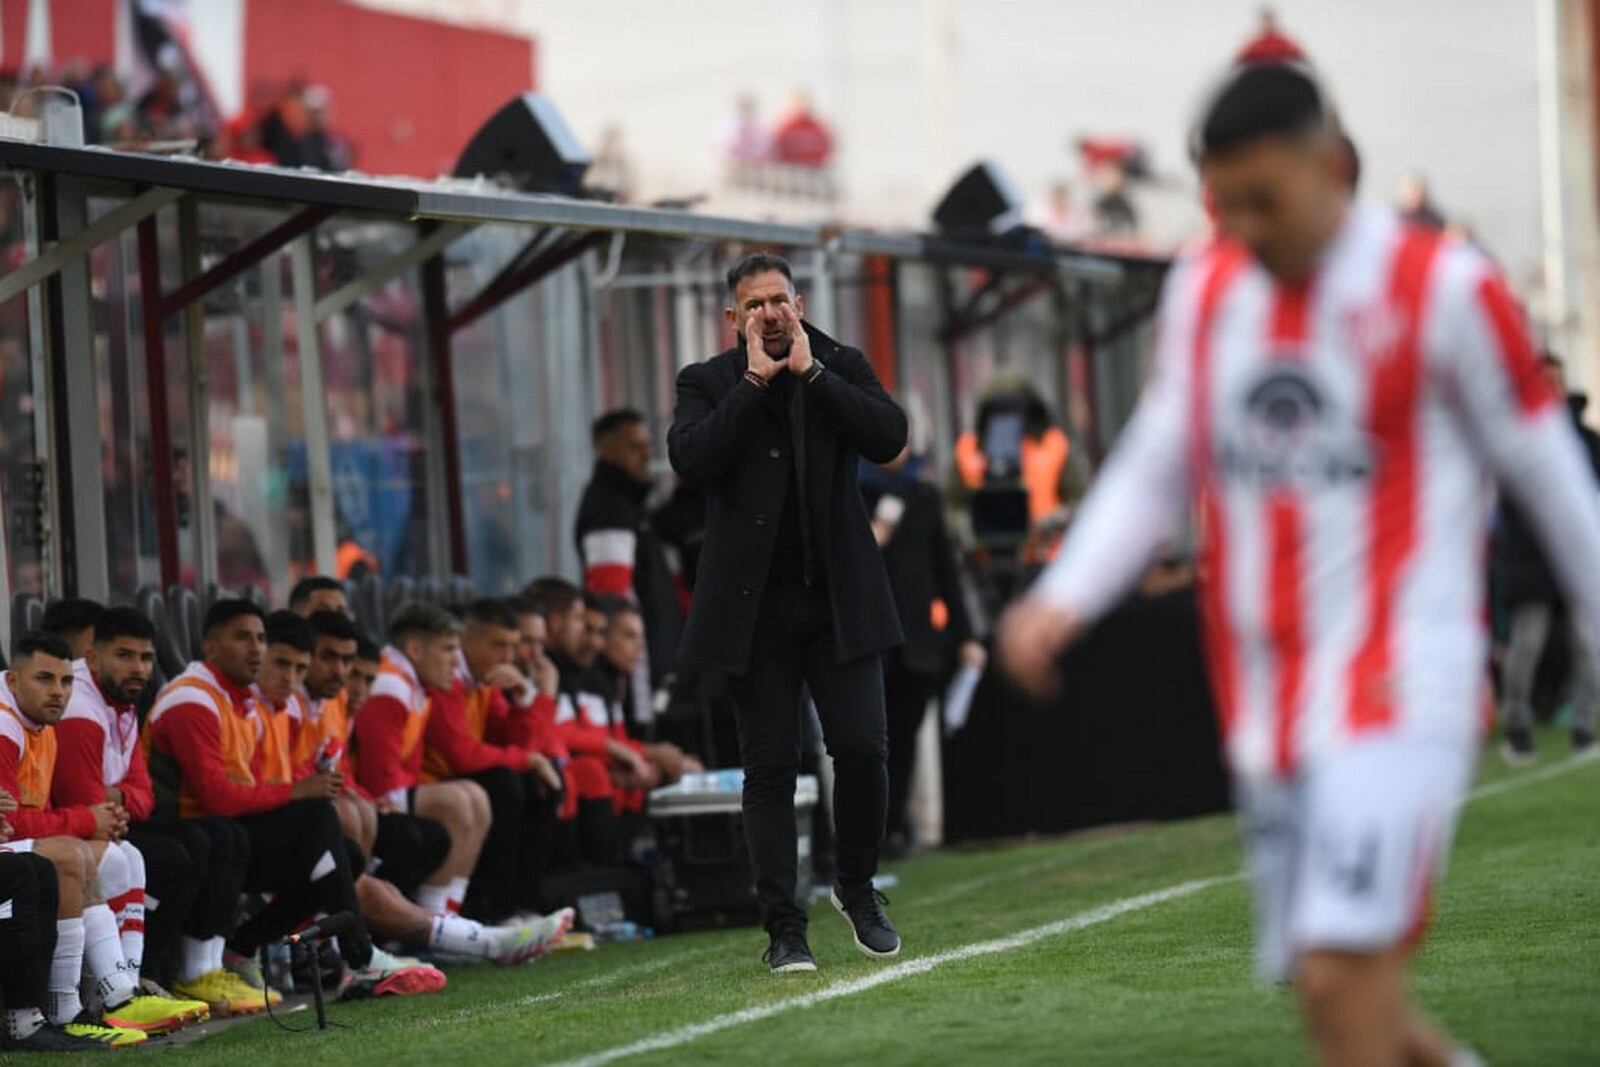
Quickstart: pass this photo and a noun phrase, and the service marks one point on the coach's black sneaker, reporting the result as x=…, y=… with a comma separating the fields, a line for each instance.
x=1583, y=746
x=863, y=910
x=1516, y=748
x=789, y=954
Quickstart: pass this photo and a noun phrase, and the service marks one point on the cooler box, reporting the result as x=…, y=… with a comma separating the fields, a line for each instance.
x=703, y=873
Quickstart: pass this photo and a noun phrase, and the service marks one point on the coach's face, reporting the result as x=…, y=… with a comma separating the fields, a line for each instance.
x=764, y=296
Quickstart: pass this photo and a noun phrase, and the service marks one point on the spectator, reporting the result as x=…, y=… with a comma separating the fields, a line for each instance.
x=1058, y=217
x=323, y=148
x=908, y=523
x=802, y=139
x=611, y=169
x=744, y=140
x=1416, y=203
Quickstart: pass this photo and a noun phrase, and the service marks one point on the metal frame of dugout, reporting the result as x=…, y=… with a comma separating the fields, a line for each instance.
x=57, y=182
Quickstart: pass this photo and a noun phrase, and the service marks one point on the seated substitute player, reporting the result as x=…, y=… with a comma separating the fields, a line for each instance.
x=73, y=619
x=99, y=758
x=33, y=698
x=318, y=593
x=409, y=849
x=523, y=785
x=363, y=675
x=622, y=653
x=425, y=645
x=1334, y=386
x=43, y=883
x=600, y=765
x=202, y=741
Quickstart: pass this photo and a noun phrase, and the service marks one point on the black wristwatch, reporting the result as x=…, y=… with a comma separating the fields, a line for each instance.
x=817, y=367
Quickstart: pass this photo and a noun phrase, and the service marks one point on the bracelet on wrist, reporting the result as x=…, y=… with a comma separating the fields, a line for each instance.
x=755, y=379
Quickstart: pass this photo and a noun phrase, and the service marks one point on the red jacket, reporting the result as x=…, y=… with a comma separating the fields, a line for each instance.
x=98, y=746
x=389, y=730
x=27, y=762
x=201, y=740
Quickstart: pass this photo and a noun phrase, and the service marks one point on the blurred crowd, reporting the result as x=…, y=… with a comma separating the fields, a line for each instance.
x=173, y=111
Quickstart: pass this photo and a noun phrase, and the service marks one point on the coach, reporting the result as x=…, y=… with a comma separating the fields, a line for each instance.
x=791, y=586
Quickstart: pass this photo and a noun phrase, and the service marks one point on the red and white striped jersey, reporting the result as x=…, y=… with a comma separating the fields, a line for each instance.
x=1340, y=438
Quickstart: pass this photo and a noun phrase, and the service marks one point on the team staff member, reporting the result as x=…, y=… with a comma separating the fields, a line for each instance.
x=621, y=552
x=202, y=740
x=1334, y=386
x=791, y=588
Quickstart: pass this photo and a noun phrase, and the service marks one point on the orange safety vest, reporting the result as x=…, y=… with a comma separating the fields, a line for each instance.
x=236, y=734
x=38, y=763
x=333, y=722
x=475, y=715
x=1044, y=459
x=272, y=754
x=416, y=721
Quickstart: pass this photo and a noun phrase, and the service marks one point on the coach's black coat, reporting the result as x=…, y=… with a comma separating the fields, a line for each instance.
x=728, y=438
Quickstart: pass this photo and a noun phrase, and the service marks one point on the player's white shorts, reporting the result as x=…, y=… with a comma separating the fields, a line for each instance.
x=25, y=845
x=1345, y=854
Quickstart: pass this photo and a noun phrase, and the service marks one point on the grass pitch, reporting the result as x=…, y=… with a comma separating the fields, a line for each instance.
x=1513, y=965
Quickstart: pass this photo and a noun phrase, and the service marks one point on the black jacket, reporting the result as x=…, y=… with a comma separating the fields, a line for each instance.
x=728, y=438
x=1521, y=571
x=922, y=569
x=614, y=501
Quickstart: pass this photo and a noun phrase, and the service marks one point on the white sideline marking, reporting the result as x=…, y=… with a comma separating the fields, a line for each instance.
x=921, y=965
x=670, y=1039
x=1543, y=774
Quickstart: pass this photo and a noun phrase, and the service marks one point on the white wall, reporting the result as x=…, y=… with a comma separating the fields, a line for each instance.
x=918, y=88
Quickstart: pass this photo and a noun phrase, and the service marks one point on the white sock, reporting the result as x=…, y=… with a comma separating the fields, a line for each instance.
x=196, y=959
x=23, y=1023
x=434, y=898
x=457, y=894
x=114, y=986
x=129, y=908
x=217, y=947
x=65, y=967
x=463, y=937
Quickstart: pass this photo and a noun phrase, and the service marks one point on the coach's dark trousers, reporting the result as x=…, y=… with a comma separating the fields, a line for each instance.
x=794, y=644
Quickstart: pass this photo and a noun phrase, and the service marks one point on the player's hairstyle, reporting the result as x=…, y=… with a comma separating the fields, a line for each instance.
x=305, y=587
x=758, y=263
x=417, y=619
x=224, y=612
x=366, y=650
x=612, y=421
x=71, y=615
x=1261, y=101
x=333, y=624
x=123, y=622
x=287, y=628
x=490, y=611
x=522, y=604
x=551, y=596
x=40, y=641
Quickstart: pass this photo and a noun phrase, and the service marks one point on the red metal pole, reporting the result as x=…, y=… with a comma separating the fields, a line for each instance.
x=155, y=363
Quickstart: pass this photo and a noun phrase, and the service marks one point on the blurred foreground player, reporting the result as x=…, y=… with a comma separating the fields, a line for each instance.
x=1336, y=388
